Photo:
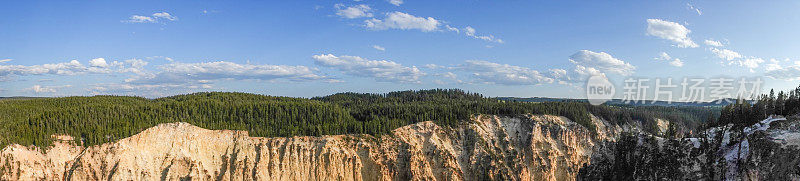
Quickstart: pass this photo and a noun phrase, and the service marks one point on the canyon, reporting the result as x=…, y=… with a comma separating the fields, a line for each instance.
x=522, y=147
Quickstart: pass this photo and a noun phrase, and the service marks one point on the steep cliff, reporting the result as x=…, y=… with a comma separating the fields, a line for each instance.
x=766, y=150
x=522, y=147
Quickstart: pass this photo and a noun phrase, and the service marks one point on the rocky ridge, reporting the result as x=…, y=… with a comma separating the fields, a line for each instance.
x=521, y=147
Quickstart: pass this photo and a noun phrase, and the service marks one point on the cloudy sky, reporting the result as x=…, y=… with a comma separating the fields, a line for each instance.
x=314, y=48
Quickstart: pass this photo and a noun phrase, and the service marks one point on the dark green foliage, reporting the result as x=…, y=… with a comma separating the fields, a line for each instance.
x=445, y=107
x=682, y=118
x=639, y=157
x=102, y=119
x=744, y=113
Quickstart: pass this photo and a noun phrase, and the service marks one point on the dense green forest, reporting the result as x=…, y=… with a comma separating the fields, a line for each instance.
x=747, y=112
x=101, y=119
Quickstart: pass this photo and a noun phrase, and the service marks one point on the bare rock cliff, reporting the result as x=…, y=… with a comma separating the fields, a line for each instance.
x=524, y=147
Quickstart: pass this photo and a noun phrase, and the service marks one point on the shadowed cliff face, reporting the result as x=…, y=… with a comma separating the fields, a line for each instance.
x=766, y=150
x=524, y=147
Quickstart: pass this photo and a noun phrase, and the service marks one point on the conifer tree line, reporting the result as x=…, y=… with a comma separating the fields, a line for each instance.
x=101, y=119
x=747, y=112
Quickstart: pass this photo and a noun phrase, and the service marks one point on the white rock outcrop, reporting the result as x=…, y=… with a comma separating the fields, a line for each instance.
x=524, y=147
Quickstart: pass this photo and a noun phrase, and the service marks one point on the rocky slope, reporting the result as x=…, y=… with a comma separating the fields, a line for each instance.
x=766, y=150
x=524, y=147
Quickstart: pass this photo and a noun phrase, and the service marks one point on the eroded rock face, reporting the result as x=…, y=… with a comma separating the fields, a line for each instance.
x=525, y=147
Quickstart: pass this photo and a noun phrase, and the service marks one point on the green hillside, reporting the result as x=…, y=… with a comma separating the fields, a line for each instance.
x=101, y=119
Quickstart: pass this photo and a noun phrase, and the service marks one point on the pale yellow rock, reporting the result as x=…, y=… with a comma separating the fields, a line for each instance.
x=524, y=147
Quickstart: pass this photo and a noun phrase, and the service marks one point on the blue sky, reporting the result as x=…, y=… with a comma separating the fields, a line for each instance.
x=315, y=48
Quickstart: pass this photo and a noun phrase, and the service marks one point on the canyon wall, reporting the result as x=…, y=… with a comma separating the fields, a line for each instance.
x=522, y=147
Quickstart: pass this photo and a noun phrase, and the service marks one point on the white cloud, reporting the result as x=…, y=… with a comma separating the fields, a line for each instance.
x=469, y=31
x=561, y=75
x=433, y=66
x=751, y=62
x=192, y=72
x=140, y=19
x=672, y=31
x=695, y=9
x=582, y=72
x=790, y=73
x=165, y=15
x=495, y=73
x=98, y=62
x=135, y=66
x=151, y=19
x=603, y=62
x=725, y=54
x=381, y=70
x=5, y=60
x=396, y=2
x=65, y=68
x=159, y=57
x=378, y=48
x=734, y=58
x=147, y=90
x=46, y=89
x=773, y=65
x=403, y=21
x=713, y=43
x=450, y=28
x=663, y=56
x=676, y=63
x=352, y=12
x=450, y=75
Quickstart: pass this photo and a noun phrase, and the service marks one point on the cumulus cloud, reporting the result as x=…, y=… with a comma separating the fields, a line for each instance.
x=352, y=12
x=713, y=43
x=734, y=58
x=376, y=47
x=495, y=73
x=582, y=72
x=403, y=21
x=98, y=62
x=469, y=31
x=561, y=75
x=450, y=28
x=147, y=90
x=725, y=54
x=155, y=18
x=140, y=19
x=5, y=60
x=66, y=68
x=381, y=70
x=433, y=66
x=665, y=57
x=773, y=65
x=593, y=62
x=165, y=15
x=672, y=31
x=751, y=63
x=790, y=73
x=195, y=72
x=46, y=89
x=676, y=63
x=396, y=2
